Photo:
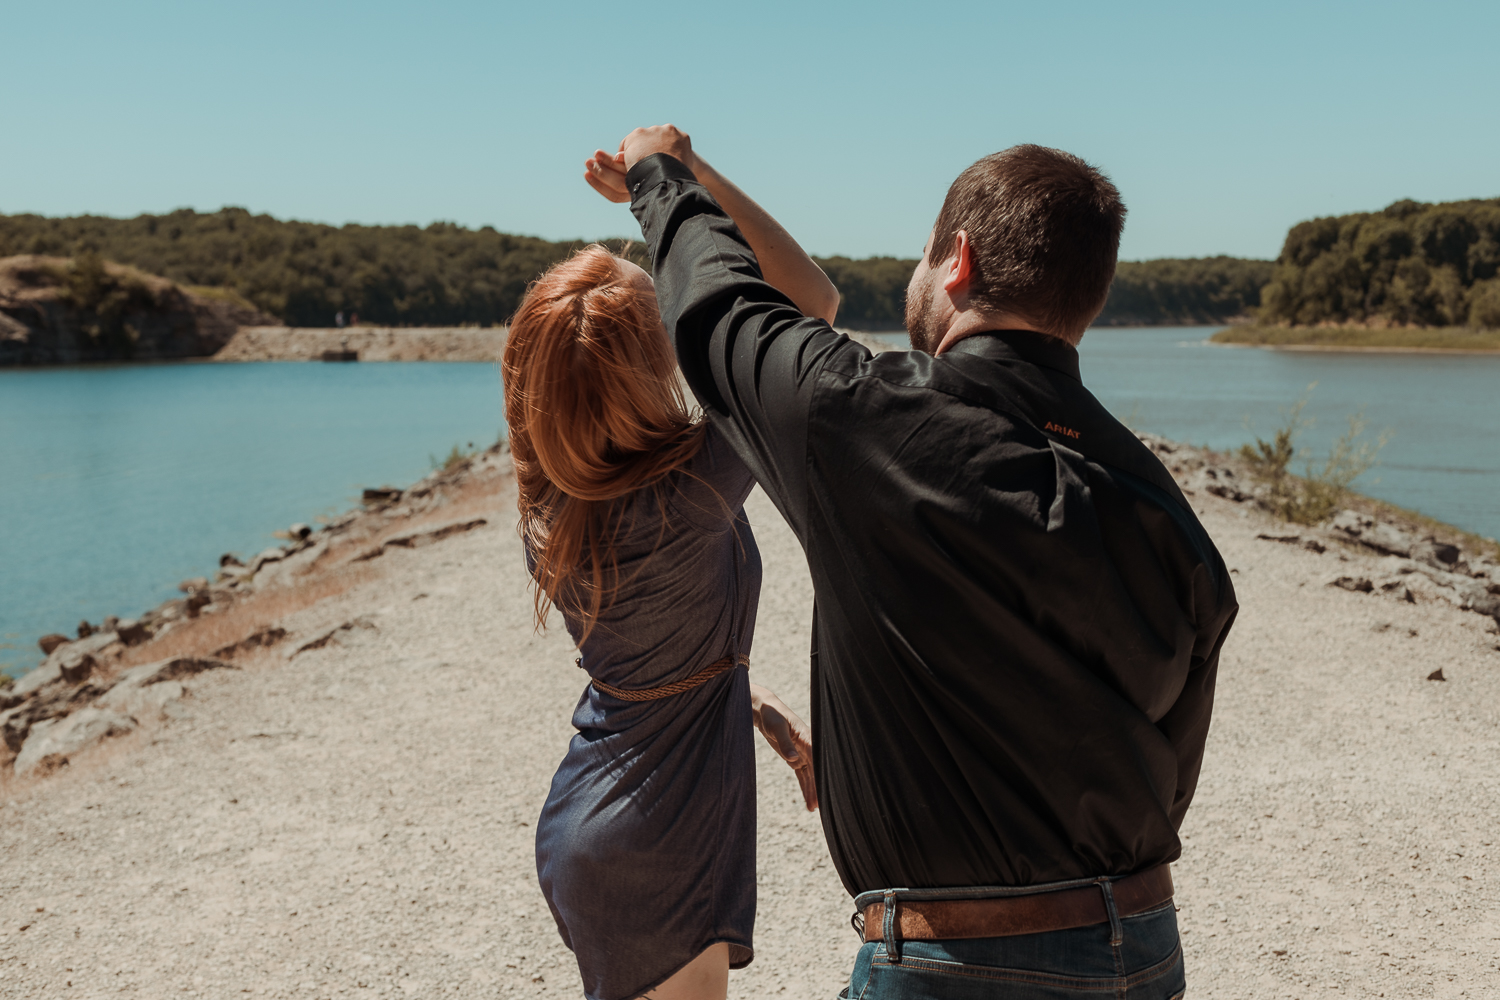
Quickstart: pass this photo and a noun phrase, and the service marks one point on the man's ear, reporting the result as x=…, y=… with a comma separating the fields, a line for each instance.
x=959, y=268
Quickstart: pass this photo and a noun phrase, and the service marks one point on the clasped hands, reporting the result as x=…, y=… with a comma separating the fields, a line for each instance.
x=605, y=172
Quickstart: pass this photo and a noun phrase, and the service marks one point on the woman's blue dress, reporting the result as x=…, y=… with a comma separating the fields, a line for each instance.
x=645, y=848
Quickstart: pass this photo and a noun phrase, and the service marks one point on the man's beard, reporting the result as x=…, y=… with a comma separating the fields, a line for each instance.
x=919, y=324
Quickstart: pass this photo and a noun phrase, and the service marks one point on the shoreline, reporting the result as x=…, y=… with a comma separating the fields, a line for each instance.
x=1388, y=339
x=1335, y=349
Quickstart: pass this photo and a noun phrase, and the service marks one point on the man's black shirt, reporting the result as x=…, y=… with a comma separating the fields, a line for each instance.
x=1018, y=617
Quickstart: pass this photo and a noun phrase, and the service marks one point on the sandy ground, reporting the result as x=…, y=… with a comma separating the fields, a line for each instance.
x=358, y=821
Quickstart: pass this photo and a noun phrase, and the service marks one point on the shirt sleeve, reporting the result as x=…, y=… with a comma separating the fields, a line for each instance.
x=750, y=357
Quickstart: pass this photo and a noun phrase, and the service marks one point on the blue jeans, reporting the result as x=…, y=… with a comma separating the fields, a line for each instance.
x=1131, y=958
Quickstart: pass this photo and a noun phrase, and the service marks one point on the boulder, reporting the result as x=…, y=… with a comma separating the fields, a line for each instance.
x=51, y=742
x=39, y=678
x=51, y=641
x=299, y=531
x=1436, y=554
x=51, y=668
x=141, y=700
x=193, y=585
x=131, y=632
x=109, y=624
x=76, y=666
x=267, y=636
x=1374, y=534
x=149, y=687
x=85, y=629
x=229, y=559
x=15, y=724
x=1358, y=584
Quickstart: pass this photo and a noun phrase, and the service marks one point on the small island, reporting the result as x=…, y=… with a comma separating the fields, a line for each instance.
x=1414, y=276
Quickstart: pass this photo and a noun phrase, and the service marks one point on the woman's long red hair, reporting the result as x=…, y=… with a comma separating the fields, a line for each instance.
x=596, y=413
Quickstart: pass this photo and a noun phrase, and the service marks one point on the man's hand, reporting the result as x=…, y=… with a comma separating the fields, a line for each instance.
x=667, y=139
x=788, y=736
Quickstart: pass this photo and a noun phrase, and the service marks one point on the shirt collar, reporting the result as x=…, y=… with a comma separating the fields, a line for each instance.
x=1034, y=348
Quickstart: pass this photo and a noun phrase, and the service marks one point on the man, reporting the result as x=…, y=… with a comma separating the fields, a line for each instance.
x=1018, y=617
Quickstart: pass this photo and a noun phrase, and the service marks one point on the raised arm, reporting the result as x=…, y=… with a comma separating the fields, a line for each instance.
x=785, y=265
x=751, y=355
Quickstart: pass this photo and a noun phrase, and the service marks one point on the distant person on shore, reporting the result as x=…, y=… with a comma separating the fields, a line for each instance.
x=1018, y=617
x=354, y=319
x=338, y=319
x=634, y=529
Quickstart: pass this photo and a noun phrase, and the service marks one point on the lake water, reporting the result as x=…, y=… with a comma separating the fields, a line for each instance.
x=117, y=482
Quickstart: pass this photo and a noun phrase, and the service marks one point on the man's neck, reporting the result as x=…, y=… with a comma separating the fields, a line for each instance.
x=973, y=321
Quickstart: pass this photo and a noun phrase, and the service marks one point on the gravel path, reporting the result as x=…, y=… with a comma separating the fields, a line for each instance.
x=357, y=821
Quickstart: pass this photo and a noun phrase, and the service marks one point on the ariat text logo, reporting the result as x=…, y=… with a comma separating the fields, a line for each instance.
x=1060, y=429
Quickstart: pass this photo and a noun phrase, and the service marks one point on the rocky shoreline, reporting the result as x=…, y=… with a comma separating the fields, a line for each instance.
x=94, y=686
x=364, y=343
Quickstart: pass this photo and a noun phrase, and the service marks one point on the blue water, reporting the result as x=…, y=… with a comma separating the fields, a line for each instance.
x=1441, y=412
x=117, y=482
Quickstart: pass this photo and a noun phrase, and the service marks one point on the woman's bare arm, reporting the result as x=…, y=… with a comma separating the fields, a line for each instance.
x=783, y=262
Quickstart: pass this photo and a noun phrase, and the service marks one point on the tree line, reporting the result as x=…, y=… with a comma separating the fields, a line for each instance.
x=1411, y=264
x=448, y=275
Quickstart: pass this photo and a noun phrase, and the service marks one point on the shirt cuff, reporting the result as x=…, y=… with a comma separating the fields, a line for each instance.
x=654, y=170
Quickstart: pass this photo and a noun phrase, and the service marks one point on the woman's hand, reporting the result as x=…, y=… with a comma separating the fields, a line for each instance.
x=605, y=173
x=788, y=736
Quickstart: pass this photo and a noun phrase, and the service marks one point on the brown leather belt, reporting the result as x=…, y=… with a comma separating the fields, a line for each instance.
x=1036, y=913
x=708, y=673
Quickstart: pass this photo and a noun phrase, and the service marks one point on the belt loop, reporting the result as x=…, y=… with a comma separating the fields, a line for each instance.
x=1116, y=929
x=891, y=931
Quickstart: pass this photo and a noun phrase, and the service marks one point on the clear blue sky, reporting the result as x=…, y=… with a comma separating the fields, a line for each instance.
x=1222, y=124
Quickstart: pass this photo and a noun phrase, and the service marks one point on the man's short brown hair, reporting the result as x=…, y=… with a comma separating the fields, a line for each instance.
x=1044, y=229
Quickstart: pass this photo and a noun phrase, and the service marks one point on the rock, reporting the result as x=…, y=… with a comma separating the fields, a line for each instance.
x=380, y=495
x=15, y=725
x=267, y=636
x=417, y=539
x=172, y=669
x=229, y=559
x=299, y=530
x=51, y=668
x=1385, y=538
x=197, y=601
x=193, y=585
x=51, y=641
x=39, y=678
x=1437, y=675
x=131, y=632
x=85, y=629
x=76, y=666
x=1357, y=584
x=109, y=624
x=1436, y=554
x=1377, y=535
x=331, y=634
x=138, y=700
x=51, y=743
x=1284, y=539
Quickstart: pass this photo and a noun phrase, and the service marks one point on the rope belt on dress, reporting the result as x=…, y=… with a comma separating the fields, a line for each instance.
x=708, y=673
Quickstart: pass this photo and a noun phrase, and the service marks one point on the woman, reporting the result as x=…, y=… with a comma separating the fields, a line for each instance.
x=632, y=517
